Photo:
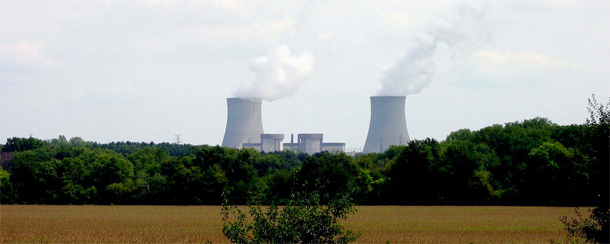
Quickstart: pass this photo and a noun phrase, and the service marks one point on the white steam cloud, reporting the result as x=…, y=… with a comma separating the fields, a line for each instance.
x=413, y=70
x=279, y=74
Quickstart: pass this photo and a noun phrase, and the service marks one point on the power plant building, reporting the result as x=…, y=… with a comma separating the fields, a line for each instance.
x=388, y=125
x=307, y=143
x=256, y=146
x=245, y=130
x=311, y=143
x=333, y=146
x=272, y=142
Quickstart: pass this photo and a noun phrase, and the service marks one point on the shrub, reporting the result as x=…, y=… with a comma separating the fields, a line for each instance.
x=303, y=220
x=593, y=229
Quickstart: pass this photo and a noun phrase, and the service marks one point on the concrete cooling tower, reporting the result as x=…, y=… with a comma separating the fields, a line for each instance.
x=244, y=122
x=388, y=124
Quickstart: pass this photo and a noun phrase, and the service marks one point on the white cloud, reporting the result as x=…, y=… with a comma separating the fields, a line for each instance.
x=236, y=6
x=273, y=28
x=511, y=62
x=24, y=55
x=328, y=35
x=541, y=7
x=398, y=21
x=258, y=33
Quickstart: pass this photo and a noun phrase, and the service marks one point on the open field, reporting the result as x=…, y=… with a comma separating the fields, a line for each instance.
x=197, y=224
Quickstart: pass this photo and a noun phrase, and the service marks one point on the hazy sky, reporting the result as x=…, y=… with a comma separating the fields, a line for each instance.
x=146, y=70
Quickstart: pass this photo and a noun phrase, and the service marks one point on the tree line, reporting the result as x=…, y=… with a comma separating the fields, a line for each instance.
x=531, y=162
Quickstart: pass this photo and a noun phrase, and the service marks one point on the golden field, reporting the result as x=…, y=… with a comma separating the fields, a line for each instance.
x=198, y=224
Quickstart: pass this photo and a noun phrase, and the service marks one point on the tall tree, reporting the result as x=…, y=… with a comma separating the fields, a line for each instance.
x=413, y=175
x=599, y=138
x=16, y=144
x=332, y=175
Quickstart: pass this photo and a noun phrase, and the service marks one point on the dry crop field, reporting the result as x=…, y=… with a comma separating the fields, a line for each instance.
x=198, y=224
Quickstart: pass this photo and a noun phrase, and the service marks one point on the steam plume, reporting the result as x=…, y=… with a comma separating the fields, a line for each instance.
x=279, y=74
x=413, y=70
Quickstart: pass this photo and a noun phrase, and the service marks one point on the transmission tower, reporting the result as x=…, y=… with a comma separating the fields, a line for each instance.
x=178, y=139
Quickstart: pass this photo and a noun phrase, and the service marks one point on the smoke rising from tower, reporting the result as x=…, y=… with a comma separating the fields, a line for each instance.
x=279, y=74
x=413, y=70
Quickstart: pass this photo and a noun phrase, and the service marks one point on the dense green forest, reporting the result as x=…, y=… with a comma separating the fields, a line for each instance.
x=532, y=162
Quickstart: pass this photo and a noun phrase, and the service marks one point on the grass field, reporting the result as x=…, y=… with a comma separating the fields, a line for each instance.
x=198, y=224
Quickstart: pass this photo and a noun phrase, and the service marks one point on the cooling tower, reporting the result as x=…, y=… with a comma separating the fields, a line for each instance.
x=244, y=122
x=388, y=124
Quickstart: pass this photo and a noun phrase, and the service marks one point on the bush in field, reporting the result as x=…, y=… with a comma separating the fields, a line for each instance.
x=586, y=230
x=303, y=220
x=595, y=228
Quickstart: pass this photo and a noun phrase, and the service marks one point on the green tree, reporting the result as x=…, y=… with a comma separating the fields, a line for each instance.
x=267, y=163
x=79, y=142
x=150, y=183
x=599, y=134
x=277, y=186
x=198, y=178
x=241, y=175
x=16, y=144
x=73, y=174
x=112, y=175
x=586, y=230
x=60, y=141
x=35, y=177
x=413, y=176
x=511, y=145
x=596, y=227
x=6, y=187
x=185, y=182
x=304, y=219
x=598, y=125
x=554, y=172
x=333, y=175
x=463, y=170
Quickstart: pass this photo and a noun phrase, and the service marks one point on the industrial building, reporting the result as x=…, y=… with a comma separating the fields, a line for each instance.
x=307, y=143
x=388, y=125
x=245, y=130
x=311, y=143
x=333, y=146
x=272, y=142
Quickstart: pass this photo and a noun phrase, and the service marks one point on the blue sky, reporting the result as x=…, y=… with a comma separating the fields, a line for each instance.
x=145, y=70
